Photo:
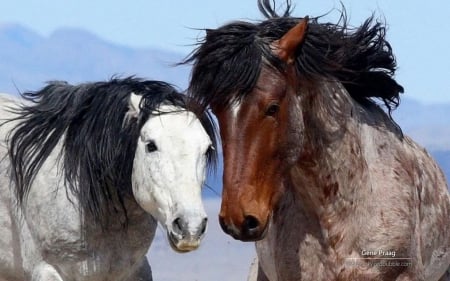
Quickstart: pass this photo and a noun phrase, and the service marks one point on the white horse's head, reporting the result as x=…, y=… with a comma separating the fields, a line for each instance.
x=169, y=170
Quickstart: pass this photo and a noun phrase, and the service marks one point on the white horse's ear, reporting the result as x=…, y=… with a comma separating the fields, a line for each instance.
x=134, y=102
x=133, y=105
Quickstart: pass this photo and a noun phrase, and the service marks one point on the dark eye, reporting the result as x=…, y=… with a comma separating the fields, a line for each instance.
x=151, y=147
x=272, y=109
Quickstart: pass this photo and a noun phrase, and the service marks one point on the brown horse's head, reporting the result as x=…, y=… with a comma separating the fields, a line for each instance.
x=255, y=137
x=264, y=83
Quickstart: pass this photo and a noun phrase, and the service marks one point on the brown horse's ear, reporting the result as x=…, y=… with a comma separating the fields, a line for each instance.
x=286, y=46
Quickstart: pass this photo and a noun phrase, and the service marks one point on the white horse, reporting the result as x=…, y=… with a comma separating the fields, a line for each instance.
x=87, y=171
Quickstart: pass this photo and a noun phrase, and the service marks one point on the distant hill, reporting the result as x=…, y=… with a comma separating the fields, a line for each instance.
x=429, y=125
x=27, y=60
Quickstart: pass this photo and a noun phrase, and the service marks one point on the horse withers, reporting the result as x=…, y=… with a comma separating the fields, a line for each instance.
x=88, y=171
x=315, y=170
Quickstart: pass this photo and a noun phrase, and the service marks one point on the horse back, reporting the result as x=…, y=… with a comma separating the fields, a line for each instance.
x=7, y=104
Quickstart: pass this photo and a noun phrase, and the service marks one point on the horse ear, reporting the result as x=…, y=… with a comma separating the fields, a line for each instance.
x=286, y=46
x=134, y=102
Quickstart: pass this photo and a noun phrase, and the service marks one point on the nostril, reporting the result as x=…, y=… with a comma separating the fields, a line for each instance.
x=251, y=223
x=177, y=226
x=203, y=226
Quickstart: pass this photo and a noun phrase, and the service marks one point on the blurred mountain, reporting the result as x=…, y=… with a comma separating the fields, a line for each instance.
x=27, y=60
x=427, y=124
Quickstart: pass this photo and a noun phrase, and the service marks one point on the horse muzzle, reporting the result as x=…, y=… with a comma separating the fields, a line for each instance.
x=249, y=229
x=183, y=238
x=183, y=245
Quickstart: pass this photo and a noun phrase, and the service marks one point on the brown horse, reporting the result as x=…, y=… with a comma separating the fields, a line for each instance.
x=315, y=170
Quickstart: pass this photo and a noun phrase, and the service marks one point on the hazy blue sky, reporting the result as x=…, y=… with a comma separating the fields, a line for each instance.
x=418, y=30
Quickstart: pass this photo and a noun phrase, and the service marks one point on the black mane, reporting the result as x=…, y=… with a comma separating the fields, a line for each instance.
x=98, y=139
x=227, y=63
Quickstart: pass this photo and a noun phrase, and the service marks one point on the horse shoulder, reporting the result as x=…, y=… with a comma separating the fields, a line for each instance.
x=411, y=197
x=433, y=212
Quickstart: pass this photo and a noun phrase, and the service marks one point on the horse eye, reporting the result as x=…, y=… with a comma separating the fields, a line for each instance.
x=151, y=147
x=272, y=109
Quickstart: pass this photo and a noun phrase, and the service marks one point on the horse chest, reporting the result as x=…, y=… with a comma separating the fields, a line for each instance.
x=297, y=247
x=113, y=255
x=292, y=250
x=83, y=251
x=110, y=255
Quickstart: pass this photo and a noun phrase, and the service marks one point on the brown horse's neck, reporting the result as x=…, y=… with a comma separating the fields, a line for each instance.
x=331, y=166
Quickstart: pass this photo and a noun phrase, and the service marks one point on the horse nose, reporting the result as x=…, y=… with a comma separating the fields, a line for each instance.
x=250, y=229
x=181, y=227
x=227, y=228
x=185, y=235
x=178, y=225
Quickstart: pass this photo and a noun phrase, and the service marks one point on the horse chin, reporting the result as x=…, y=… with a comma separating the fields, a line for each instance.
x=266, y=228
x=182, y=246
x=264, y=233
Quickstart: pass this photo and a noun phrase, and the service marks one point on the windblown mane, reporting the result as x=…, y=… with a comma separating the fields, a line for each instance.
x=98, y=137
x=227, y=63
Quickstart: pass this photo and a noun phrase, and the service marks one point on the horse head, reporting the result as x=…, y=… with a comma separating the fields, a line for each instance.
x=281, y=89
x=257, y=144
x=169, y=170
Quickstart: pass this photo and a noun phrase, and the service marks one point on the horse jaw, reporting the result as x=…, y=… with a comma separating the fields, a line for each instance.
x=167, y=182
